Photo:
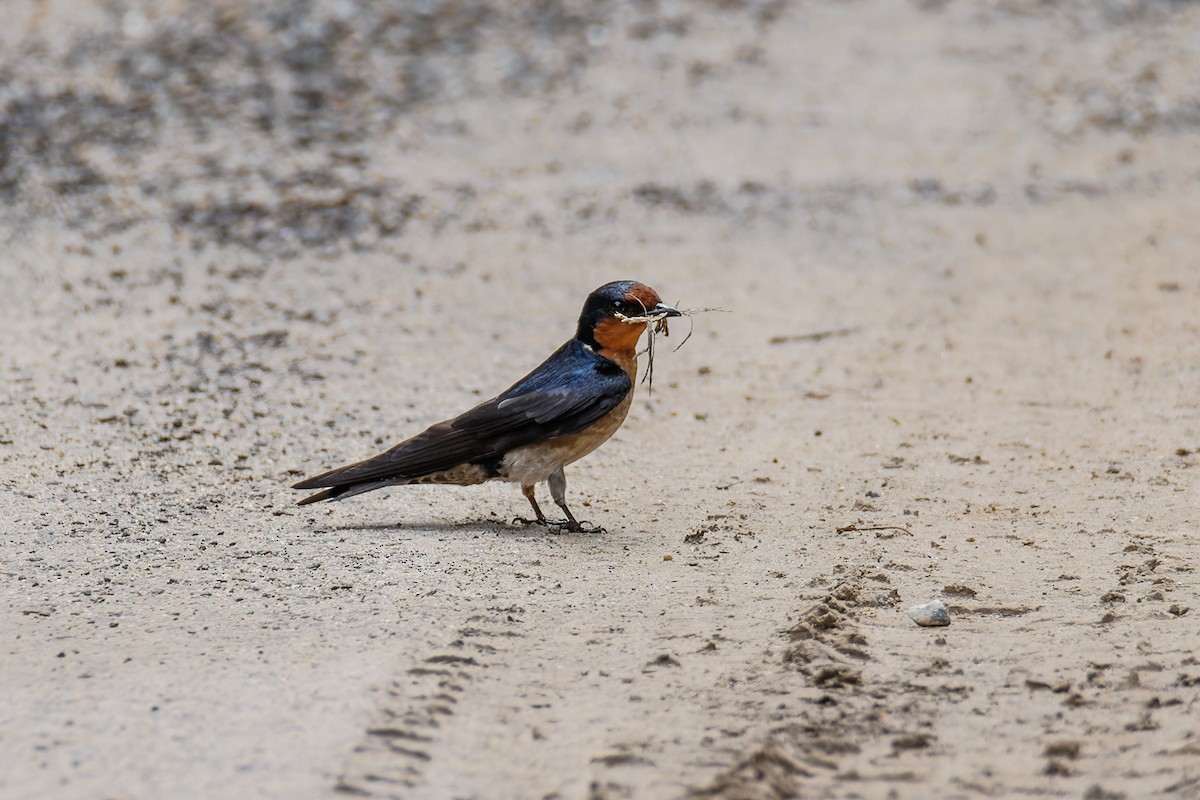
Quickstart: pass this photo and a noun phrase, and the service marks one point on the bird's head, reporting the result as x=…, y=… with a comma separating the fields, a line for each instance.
x=615, y=315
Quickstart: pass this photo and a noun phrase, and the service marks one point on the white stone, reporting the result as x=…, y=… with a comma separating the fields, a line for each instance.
x=930, y=614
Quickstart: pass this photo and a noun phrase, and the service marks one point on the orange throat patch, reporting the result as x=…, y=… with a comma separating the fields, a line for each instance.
x=618, y=342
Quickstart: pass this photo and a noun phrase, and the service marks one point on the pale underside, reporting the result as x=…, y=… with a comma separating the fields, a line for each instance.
x=534, y=463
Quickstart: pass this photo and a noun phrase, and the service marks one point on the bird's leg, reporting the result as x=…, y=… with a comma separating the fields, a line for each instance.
x=554, y=524
x=532, y=498
x=558, y=490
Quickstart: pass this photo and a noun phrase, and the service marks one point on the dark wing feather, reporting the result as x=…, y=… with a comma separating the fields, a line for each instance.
x=569, y=391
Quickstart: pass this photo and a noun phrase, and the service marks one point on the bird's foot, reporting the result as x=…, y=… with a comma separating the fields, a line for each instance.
x=561, y=525
x=573, y=526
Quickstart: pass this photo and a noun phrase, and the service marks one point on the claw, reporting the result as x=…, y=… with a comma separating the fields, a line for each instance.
x=561, y=525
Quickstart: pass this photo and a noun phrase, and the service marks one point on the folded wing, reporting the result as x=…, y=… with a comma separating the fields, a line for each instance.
x=571, y=390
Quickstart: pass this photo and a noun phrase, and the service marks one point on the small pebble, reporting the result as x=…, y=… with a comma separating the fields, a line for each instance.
x=930, y=614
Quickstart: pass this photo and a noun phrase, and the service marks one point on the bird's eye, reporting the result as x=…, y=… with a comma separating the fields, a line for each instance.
x=617, y=303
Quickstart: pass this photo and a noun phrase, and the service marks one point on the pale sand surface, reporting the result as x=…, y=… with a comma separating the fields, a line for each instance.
x=249, y=242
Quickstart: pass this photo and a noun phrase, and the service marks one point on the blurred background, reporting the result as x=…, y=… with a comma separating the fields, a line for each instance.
x=248, y=241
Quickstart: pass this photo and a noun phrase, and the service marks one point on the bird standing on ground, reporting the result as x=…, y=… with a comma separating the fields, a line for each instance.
x=555, y=415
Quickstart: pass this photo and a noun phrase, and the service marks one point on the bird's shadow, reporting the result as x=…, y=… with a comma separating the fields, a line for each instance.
x=441, y=526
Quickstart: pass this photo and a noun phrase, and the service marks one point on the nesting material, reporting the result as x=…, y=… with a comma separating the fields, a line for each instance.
x=658, y=324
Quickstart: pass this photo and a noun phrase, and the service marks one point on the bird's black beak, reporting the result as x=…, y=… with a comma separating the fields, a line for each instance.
x=663, y=310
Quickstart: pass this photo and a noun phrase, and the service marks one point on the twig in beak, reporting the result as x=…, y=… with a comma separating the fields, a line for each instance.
x=657, y=323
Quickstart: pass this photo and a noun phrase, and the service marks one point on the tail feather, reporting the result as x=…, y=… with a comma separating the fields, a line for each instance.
x=328, y=494
x=325, y=479
x=343, y=491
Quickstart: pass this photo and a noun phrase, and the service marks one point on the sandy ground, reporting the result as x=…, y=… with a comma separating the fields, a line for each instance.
x=959, y=243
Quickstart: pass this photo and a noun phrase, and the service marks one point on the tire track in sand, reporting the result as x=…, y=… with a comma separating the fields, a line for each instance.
x=391, y=759
x=848, y=721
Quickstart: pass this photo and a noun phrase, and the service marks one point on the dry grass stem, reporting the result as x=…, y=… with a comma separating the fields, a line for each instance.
x=877, y=528
x=660, y=326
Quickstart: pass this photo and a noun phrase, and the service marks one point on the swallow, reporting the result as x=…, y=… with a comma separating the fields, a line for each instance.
x=566, y=408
